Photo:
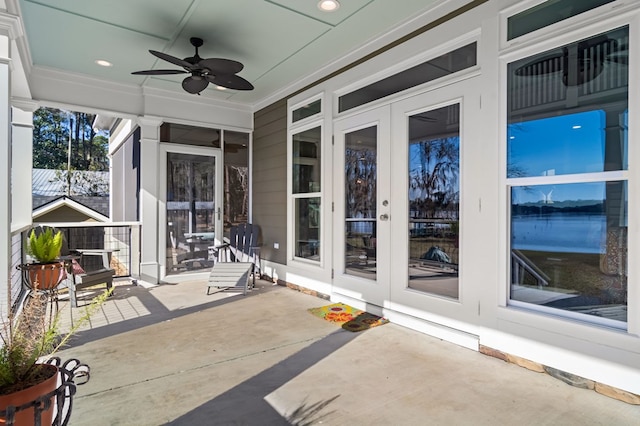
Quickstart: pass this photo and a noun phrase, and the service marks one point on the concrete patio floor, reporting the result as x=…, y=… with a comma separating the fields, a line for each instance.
x=170, y=354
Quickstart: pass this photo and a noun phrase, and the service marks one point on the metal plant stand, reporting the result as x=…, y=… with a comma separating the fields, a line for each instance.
x=72, y=373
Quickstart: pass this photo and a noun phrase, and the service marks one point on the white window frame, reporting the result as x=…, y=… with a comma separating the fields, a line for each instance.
x=308, y=123
x=609, y=17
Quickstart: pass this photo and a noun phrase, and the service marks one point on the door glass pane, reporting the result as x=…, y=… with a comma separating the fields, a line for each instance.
x=190, y=211
x=360, y=159
x=434, y=200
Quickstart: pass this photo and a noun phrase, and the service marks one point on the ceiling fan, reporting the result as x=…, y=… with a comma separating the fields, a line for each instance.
x=221, y=72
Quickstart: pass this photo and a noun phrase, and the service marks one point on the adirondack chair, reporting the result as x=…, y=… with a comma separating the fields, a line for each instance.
x=237, y=258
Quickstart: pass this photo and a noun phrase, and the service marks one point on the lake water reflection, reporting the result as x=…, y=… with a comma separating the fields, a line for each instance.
x=559, y=232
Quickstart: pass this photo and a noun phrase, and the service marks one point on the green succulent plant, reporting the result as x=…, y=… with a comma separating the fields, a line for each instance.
x=44, y=244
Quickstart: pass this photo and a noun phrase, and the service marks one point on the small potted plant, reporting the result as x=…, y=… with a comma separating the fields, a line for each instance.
x=29, y=340
x=44, y=245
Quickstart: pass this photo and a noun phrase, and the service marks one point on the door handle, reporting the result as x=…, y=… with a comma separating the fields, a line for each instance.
x=384, y=217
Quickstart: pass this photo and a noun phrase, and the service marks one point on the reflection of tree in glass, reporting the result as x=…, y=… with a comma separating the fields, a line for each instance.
x=433, y=177
x=236, y=193
x=514, y=170
x=360, y=181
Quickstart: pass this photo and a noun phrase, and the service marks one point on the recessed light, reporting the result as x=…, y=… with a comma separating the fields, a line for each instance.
x=576, y=127
x=221, y=88
x=103, y=63
x=328, y=5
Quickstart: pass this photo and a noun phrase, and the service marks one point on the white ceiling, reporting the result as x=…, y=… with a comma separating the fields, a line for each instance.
x=283, y=44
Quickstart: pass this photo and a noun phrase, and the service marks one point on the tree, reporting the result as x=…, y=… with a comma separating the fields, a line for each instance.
x=56, y=130
x=50, y=139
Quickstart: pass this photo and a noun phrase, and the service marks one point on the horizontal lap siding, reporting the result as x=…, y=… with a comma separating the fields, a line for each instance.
x=270, y=179
x=16, y=275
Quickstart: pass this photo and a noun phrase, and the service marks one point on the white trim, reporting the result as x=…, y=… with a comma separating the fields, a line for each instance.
x=317, y=122
x=570, y=178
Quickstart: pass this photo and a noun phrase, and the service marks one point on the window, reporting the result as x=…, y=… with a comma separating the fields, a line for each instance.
x=447, y=64
x=548, y=13
x=306, y=181
x=236, y=179
x=567, y=178
x=189, y=135
x=312, y=108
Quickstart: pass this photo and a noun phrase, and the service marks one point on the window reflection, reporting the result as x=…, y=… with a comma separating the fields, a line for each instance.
x=306, y=161
x=306, y=177
x=569, y=247
x=568, y=115
x=434, y=200
x=190, y=211
x=307, y=229
x=361, y=180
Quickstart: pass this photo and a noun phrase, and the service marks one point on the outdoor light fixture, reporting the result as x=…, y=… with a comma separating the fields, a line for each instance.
x=328, y=5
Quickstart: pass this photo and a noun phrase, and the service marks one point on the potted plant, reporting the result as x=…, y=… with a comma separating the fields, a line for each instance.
x=44, y=245
x=28, y=341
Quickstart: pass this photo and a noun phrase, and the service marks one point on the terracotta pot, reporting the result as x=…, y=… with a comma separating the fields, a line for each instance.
x=16, y=399
x=45, y=276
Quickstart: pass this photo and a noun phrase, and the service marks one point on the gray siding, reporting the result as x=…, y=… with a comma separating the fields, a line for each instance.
x=125, y=169
x=16, y=275
x=270, y=179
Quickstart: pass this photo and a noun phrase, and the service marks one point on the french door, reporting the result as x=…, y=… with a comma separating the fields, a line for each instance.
x=399, y=204
x=192, y=211
x=434, y=159
x=361, y=254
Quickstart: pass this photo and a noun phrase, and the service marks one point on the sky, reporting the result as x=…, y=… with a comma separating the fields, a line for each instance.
x=567, y=144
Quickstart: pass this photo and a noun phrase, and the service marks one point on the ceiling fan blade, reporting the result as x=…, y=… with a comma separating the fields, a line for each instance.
x=158, y=72
x=221, y=66
x=194, y=84
x=172, y=59
x=230, y=81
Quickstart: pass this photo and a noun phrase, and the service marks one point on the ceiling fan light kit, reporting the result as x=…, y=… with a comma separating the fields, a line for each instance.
x=221, y=72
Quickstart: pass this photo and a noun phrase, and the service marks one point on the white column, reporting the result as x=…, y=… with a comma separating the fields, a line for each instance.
x=22, y=163
x=149, y=198
x=5, y=172
x=9, y=30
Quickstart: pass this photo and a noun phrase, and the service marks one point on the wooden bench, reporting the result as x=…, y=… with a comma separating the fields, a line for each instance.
x=81, y=279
